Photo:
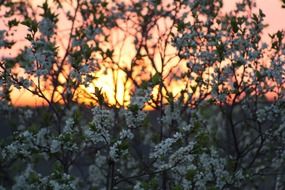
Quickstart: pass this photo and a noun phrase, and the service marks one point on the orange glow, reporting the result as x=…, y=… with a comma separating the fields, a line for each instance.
x=120, y=92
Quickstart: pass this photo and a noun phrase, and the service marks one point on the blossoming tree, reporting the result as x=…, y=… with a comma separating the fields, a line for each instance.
x=214, y=88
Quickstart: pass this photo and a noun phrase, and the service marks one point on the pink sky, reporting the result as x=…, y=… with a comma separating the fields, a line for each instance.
x=274, y=17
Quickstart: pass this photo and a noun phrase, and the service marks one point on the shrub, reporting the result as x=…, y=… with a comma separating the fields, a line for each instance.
x=214, y=87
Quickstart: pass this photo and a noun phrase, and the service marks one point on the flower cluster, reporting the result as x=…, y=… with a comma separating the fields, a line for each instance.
x=206, y=112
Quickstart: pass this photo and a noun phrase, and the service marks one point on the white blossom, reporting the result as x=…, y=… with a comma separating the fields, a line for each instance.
x=55, y=146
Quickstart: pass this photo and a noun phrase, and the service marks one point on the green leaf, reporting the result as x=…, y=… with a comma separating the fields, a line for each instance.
x=279, y=35
x=109, y=53
x=99, y=95
x=57, y=170
x=220, y=51
x=48, y=13
x=92, y=127
x=144, y=84
x=258, y=75
x=104, y=4
x=86, y=51
x=193, y=88
x=238, y=63
x=190, y=174
x=180, y=26
x=134, y=109
x=12, y=23
x=151, y=184
x=234, y=25
x=203, y=139
x=170, y=97
x=31, y=24
x=124, y=145
x=156, y=79
x=10, y=63
x=33, y=178
x=255, y=18
x=9, y=44
x=177, y=187
x=261, y=13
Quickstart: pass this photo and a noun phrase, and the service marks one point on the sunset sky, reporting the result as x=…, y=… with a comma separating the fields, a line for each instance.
x=275, y=16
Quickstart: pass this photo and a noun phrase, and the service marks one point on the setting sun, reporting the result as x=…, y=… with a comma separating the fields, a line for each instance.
x=112, y=78
x=142, y=94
